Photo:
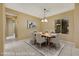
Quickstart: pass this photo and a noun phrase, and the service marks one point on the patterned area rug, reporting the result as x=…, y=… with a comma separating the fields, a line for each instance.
x=46, y=50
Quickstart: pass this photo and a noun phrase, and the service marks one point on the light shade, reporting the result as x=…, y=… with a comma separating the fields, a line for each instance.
x=44, y=20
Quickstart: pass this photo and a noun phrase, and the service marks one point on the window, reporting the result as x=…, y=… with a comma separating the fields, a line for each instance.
x=61, y=26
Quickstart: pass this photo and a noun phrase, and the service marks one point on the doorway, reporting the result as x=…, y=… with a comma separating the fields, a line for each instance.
x=10, y=29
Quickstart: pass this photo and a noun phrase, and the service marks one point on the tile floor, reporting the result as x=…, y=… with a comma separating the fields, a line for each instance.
x=20, y=48
x=17, y=47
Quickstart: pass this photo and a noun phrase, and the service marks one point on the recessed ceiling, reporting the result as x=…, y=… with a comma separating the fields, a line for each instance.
x=36, y=9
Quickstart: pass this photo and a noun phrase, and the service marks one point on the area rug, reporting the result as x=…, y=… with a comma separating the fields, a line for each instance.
x=45, y=50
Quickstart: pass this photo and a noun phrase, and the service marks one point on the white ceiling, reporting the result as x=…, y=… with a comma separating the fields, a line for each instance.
x=36, y=9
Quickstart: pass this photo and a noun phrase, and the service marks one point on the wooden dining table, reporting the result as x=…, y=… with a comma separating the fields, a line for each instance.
x=48, y=36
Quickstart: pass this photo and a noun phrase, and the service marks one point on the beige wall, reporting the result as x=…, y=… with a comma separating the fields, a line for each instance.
x=2, y=28
x=50, y=26
x=76, y=24
x=23, y=32
x=21, y=24
x=73, y=17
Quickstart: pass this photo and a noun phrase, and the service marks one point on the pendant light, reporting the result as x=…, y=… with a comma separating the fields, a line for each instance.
x=44, y=18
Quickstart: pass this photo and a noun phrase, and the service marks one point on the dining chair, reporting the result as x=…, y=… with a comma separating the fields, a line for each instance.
x=52, y=32
x=40, y=39
x=46, y=31
x=33, y=41
x=56, y=41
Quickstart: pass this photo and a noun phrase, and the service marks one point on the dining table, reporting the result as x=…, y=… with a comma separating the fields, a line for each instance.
x=48, y=36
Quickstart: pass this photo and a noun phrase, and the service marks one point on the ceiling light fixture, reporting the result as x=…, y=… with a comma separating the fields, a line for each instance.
x=44, y=18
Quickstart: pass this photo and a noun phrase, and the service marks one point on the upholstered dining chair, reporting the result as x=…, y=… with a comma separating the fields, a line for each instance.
x=56, y=41
x=40, y=39
x=33, y=41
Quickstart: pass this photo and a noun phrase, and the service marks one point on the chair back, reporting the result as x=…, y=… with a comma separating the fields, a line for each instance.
x=39, y=38
x=34, y=35
x=56, y=39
